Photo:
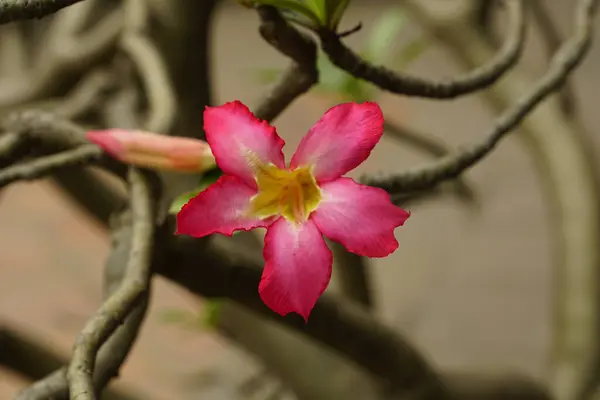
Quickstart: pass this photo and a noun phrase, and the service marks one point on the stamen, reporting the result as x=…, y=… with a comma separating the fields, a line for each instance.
x=292, y=194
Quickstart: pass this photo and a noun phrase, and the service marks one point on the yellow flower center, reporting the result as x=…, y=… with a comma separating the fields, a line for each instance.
x=293, y=194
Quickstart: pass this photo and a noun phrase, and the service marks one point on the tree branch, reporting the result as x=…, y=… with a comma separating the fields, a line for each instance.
x=565, y=161
x=153, y=73
x=32, y=358
x=62, y=61
x=19, y=10
x=48, y=133
x=41, y=167
x=300, y=76
x=340, y=325
x=353, y=277
x=563, y=63
x=150, y=66
x=395, y=82
x=434, y=147
x=552, y=39
x=116, y=308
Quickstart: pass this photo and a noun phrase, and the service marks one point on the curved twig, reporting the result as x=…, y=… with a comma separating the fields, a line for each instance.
x=19, y=10
x=300, y=76
x=118, y=306
x=44, y=166
x=563, y=154
x=552, y=39
x=71, y=55
x=153, y=72
x=563, y=63
x=340, y=325
x=434, y=147
x=395, y=82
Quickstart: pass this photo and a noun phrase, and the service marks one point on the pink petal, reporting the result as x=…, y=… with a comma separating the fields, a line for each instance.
x=238, y=139
x=221, y=208
x=297, y=267
x=341, y=140
x=152, y=150
x=360, y=217
x=112, y=141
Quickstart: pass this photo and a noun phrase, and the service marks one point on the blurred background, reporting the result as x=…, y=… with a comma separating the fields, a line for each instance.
x=473, y=285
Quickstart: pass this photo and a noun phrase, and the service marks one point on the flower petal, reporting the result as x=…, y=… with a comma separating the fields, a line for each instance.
x=297, y=267
x=347, y=205
x=221, y=208
x=238, y=139
x=341, y=140
x=151, y=150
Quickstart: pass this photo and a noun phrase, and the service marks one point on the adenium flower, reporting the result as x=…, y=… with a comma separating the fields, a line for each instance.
x=297, y=204
x=151, y=150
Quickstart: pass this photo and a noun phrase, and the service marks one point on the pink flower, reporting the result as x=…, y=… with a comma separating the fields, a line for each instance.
x=151, y=150
x=297, y=204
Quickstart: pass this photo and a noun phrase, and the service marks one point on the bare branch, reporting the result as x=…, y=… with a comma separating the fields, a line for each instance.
x=62, y=62
x=395, y=82
x=18, y=10
x=114, y=351
x=563, y=63
x=13, y=50
x=28, y=127
x=45, y=127
x=33, y=358
x=340, y=325
x=86, y=96
x=153, y=72
x=44, y=166
x=116, y=308
x=353, y=277
x=552, y=39
x=50, y=133
x=434, y=147
x=300, y=76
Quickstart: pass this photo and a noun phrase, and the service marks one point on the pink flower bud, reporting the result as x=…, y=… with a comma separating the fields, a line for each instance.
x=151, y=150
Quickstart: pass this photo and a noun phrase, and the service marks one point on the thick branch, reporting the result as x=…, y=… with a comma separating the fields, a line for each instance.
x=48, y=133
x=18, y=10
x=115, y=350
x=153, y=73
x=41, y=167
x=434, y=147
x=564, y=157
x=300, y=76
x=395, y=82
x=341, y=326
x=563, y=63
x=62, y=61
x=353, y=277
x=149, y=64
x=114, y=311
x=552, y=39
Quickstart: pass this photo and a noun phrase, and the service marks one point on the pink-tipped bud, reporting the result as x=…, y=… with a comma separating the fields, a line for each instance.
x=151, y=150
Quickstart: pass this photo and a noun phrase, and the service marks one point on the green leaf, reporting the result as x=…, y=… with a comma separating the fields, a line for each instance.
x=357, y=90
x=182, y=199
x=331, y=77
x=319, y=8
x=334, y=80
x=207, y=179
x=210, y=177
x=212, y=313
x=381, y=36
x=296, y=6
x=335, y=12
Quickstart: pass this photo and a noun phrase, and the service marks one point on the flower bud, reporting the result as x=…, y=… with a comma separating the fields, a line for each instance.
x=151, y=150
